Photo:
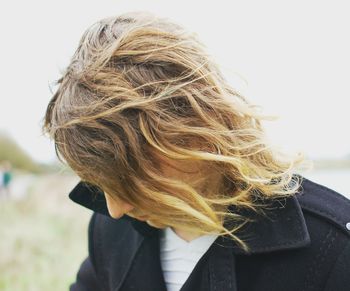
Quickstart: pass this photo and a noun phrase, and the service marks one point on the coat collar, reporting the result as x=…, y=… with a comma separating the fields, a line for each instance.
x=282, y=228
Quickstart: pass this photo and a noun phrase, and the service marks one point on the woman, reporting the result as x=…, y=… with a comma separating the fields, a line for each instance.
x=186, y=191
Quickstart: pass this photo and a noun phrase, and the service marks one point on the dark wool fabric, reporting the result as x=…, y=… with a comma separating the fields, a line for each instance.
x=303, y=244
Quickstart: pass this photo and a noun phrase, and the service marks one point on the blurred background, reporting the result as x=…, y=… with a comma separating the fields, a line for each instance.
x=291, y=58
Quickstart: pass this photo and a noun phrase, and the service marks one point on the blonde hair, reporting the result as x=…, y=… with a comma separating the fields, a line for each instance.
x=140, y=87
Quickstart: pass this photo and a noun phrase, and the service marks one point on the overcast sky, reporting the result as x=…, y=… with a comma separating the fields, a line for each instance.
x=290, y=57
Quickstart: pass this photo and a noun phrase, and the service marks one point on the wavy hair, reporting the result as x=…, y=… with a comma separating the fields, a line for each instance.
x=139, y=91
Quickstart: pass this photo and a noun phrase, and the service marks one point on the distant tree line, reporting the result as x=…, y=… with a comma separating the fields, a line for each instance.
x=19, y=159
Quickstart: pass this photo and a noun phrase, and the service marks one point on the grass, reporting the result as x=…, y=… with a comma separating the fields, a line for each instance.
x=43, y=236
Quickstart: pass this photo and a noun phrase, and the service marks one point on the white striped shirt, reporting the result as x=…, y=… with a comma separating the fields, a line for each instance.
x=179, y=257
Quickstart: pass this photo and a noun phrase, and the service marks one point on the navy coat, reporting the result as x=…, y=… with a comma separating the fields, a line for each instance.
x=302, y=245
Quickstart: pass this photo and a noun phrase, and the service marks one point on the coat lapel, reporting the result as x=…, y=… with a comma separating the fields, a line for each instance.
x=283, y=227
x=145, y=272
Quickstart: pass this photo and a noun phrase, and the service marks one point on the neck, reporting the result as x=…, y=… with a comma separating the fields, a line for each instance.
x=186, y=235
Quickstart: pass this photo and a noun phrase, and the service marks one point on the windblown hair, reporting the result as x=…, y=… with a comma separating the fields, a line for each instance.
x=139, y=88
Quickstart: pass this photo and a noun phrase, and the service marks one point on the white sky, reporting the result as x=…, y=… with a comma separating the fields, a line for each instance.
x=291, y=57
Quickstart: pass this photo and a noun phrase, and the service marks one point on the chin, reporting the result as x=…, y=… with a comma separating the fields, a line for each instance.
x=142, y=218
x=156, y=225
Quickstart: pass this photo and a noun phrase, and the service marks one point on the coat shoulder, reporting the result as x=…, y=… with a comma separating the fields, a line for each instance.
x=325, y=203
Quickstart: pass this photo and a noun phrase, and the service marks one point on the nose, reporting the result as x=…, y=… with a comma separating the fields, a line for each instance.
x=116, y=208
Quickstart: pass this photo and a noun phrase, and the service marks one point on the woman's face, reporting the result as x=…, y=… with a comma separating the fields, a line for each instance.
x=117, y=208
x=187, y=171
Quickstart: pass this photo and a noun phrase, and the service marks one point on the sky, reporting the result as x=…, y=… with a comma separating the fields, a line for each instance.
x=290, y=57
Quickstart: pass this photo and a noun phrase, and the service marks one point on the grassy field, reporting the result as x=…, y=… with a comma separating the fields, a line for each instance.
x=43, y=235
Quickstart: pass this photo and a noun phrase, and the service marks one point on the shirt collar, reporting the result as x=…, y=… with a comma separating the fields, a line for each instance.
x=283, y=227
